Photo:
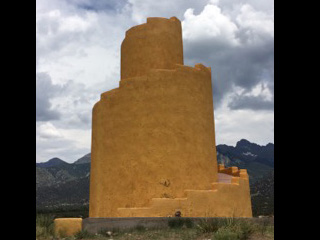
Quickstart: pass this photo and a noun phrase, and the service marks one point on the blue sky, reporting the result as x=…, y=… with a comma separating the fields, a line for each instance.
x=78, y=58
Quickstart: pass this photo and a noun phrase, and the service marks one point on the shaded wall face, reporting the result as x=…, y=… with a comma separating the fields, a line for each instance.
x=152, y=138
x=154, y=45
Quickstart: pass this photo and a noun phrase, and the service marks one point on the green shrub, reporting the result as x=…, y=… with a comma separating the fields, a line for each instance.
x=83, y=234
x=140, y=228
x=188, y=223
x=225, y=233
x=44, y=226
x=175, y=222
x=227, y=228
x=40, y=232
x=45, y=221
x=263, y=227
x=230, y=229
x=208, y=225
x=228, y=222
x=246, y=230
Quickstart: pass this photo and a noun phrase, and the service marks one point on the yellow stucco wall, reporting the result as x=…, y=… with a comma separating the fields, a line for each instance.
x=67, y=226
x=153, y=137
x=222, y=200
x=156, y=44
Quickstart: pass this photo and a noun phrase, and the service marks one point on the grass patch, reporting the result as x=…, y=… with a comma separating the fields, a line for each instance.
x=44, y=226
x=84, y=234
x=178, y=229
x=225, y=233
x=189, y=223
x=208, y=225
x=247, y=230
x=263, y=227
x=140, y=228
x=45, y=221
x=176, y=222
x=228, y=228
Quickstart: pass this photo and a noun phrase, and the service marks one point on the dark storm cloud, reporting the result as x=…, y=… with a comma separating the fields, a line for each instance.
x=73, y=35
x=44, y=91
x=250, y=102
x=243, y=66
x=239, y=47
x=98, y=5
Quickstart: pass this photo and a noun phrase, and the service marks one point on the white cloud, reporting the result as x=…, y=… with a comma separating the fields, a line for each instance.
x=233, y=125
x=256, y=24
x=45, y=91
x=67, y=144
x=259, y=90
x=79, y=24
x=59, y=34
x=210, y=23
x=141, y=9
x=48, y=130
x=78, y=58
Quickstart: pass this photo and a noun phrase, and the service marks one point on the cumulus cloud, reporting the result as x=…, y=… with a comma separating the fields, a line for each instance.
x=45, y=90
x=98, y=5
x=47, y=130
x=233, y=125
x=78, y=58
x=139, y=10
x=251, y=102
x=210, y=25
x=237, y=42
x=256, y=26
x=68, y=145
x=58, y=34
x=259, y=98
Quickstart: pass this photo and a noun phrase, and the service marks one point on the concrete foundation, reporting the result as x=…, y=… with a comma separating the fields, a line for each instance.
x=95, y=225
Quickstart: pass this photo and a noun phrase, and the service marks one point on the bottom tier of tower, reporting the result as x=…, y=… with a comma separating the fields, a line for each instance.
x=229, y=197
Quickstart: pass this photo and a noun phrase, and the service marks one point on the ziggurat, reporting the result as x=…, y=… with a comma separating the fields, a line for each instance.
x=153, y=138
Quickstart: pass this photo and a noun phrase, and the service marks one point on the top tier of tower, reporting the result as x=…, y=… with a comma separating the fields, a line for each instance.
x=156, y=44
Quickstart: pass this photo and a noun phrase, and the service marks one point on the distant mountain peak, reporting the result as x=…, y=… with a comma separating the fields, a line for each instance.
x=246, y=153
x=55, y=160
x=52, y=162
x=69, y=183
x=244, y=143
x=85, y=159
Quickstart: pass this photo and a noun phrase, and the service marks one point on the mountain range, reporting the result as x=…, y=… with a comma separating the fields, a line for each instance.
x=59, y=183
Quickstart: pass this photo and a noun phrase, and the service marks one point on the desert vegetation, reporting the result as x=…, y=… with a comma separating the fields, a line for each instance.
x=178, y=228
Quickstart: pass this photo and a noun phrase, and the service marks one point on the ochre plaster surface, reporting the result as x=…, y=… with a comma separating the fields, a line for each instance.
x=156, y=44
x=153, y=138
x=67, y=226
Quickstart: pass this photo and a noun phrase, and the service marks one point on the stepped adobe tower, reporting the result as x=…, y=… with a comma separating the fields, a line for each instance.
x=153, y=138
